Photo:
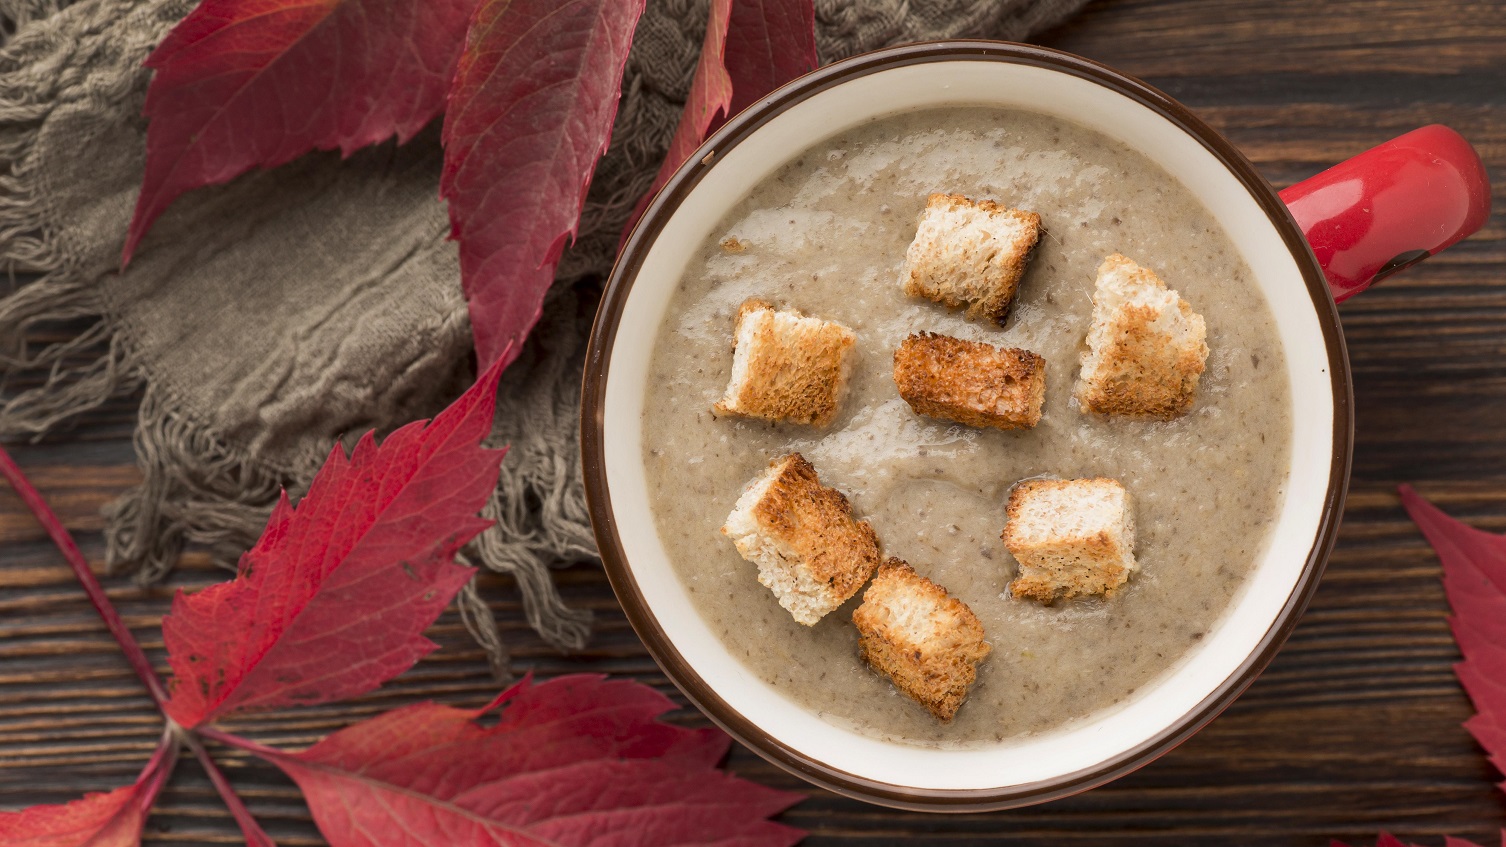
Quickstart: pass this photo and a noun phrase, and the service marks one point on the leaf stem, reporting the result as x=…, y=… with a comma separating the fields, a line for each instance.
x=54, y=527
x=236, y=741
x=255, y=837
x=135, y=656
x=160, y=768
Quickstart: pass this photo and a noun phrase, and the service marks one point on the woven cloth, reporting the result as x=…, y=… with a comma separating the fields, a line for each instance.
x=263, y=320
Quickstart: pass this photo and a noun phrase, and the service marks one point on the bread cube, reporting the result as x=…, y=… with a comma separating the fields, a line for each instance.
x=1146, y=348
x=786, y=366
x=808, y=548
x=1071, y=537
x=970, y=254
x=928, y=643
x=970, y=382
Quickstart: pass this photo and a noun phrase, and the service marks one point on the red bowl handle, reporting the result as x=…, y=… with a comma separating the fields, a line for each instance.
x=1391, y=206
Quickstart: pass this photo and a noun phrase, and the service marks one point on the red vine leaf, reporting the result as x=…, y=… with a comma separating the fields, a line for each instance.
x=530, y=113
x=769, y=43
x=109, y=819
x=257, y=83
x=574, y=762
x=334, y=598
x=113, y=818
x=751, y=48
x=710, y=95
x=1474, y=577
x=1386, y=839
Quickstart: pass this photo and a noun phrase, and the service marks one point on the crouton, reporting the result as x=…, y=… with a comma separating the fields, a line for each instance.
x=970, y=254
x=786, y=366
x=1071, y=537
x=808, y=548
x=928, y=643
x=1146, y=348
x=970, y=382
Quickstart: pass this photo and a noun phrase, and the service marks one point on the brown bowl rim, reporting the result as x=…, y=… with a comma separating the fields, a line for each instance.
x=603, y=336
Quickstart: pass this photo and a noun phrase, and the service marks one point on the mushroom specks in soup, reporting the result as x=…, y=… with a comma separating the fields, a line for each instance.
x=827, y=235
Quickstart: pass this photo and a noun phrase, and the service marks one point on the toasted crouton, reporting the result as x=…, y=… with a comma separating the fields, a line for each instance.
x=786, y=366
x=1146, y=348
x=1071, y=537
x=809, y=550
x=970, y=254
x=928, y=643
x=970, y=382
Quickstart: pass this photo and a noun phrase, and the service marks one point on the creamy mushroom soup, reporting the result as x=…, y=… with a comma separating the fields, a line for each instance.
x=826, y=234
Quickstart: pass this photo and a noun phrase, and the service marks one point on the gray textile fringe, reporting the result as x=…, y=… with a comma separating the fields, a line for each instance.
x=194, y=490
x=265, y=319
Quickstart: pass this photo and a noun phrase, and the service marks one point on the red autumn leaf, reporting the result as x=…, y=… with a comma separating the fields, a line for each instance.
x=574, y=762
x=1386, y=839
x=110, y=819
x=530, y=113
x=769, y=43
x=257, y=83
x=334, y=598
x=710, y=95
x=751, y=48
x=1474, y=577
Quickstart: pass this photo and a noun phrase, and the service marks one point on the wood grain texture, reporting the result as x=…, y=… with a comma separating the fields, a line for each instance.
x=1354, y=728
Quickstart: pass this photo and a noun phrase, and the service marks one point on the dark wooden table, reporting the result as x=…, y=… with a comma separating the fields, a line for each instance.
x=1356, y=726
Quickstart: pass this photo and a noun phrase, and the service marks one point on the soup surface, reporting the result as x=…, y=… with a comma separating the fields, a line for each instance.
x=827, y=234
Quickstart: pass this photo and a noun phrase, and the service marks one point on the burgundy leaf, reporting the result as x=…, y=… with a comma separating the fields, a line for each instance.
x=257, y=83
x=710, y=95
x=334, y=598
x=110, y=819
x=769, y=43
x=530, y=113
x=751, y=48
x=575, y=762
x=1474, y=577
x=1386, y=839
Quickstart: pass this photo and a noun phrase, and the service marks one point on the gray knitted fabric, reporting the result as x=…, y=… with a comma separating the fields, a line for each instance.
x=265, y=319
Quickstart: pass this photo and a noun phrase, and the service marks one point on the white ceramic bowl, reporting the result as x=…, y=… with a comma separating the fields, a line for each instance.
x=1159, y=715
